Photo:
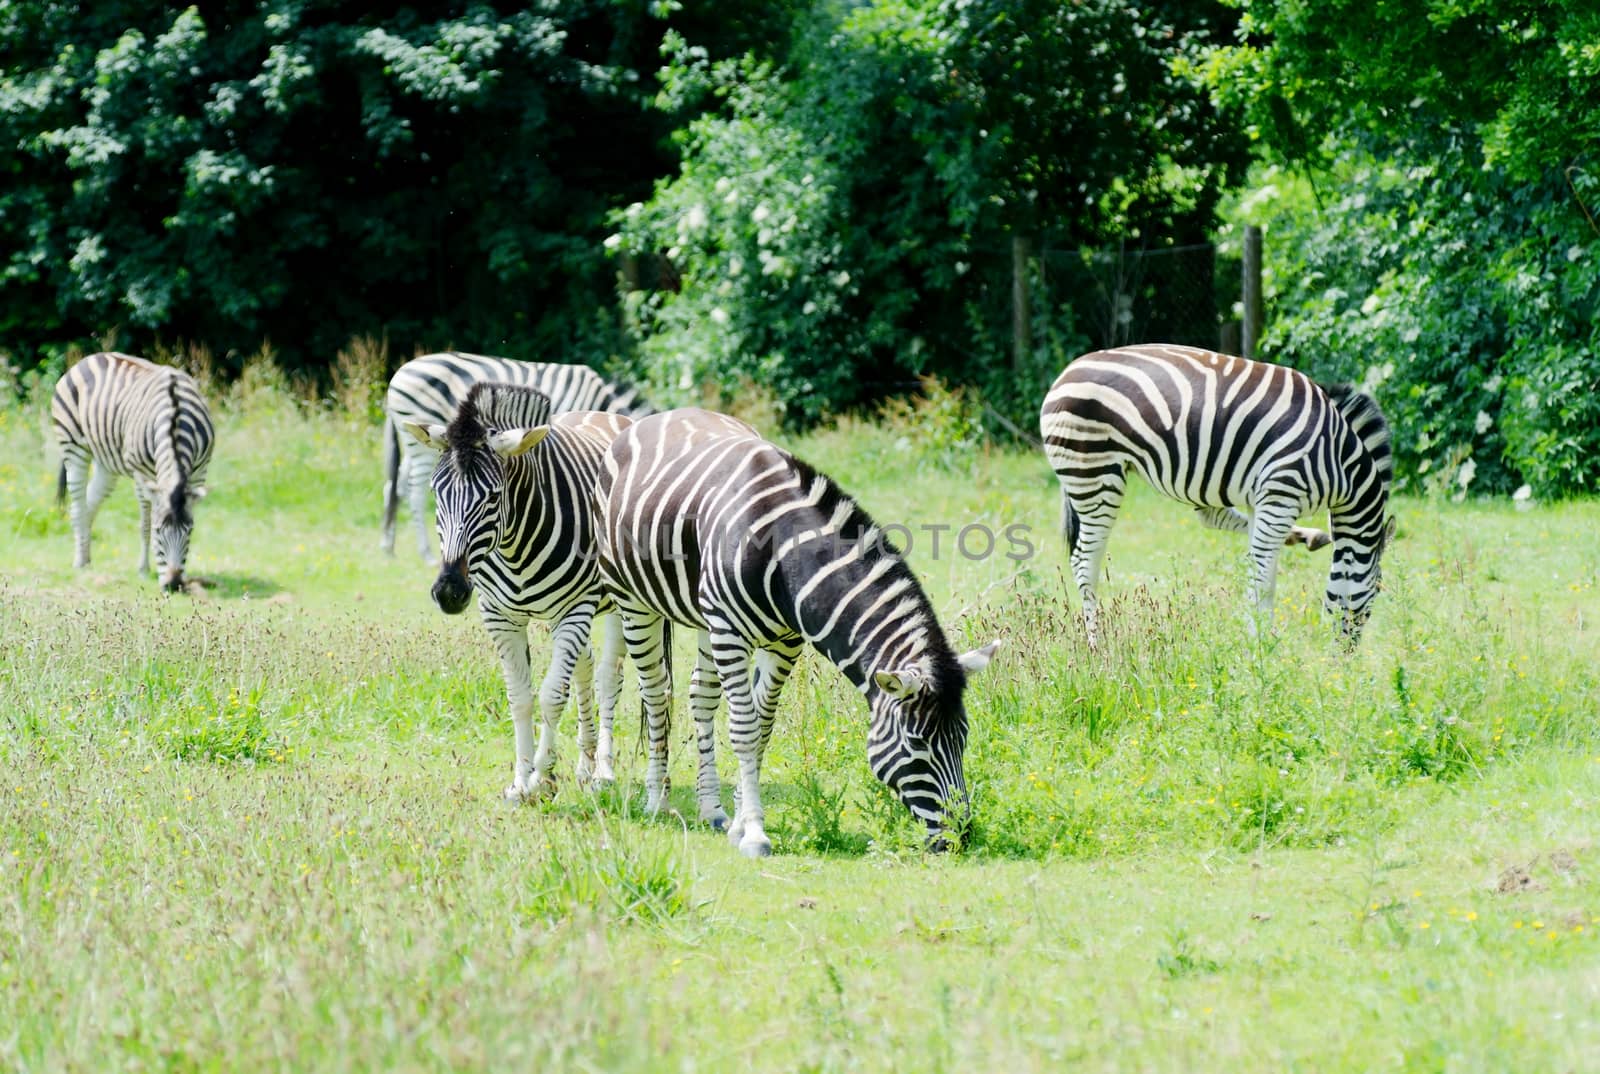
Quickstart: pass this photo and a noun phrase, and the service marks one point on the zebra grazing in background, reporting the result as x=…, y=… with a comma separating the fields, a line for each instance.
x=427, y=390
x=1223, y=433
x=706, y=524
x=517, y=523
x=144, y=420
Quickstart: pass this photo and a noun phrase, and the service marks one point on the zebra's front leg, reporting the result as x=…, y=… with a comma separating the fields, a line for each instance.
x=748, y=831
x=144, y=493
x=569, y=643
x=646, y=638
x=583, y=693
x=705, y=690
x=511, y=641
x=608, y=684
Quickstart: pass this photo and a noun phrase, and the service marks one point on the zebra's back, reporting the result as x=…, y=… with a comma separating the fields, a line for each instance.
x=427, y=390
x=1205, y=428
x=134, y=417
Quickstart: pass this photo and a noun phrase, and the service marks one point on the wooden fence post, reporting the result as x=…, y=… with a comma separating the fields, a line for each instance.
x=1021, y=310
x=1252, y=290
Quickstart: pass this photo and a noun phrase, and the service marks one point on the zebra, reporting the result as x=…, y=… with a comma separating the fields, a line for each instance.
x=704, y=523
x=144, y=420
x=516, y=523
x=426, y=391
x=1222, y=433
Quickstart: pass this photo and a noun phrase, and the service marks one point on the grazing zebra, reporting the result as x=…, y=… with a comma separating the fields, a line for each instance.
x=426, y=391
x=706, y=524
x=517, y=523
x=144, y=420
x=1222, y=433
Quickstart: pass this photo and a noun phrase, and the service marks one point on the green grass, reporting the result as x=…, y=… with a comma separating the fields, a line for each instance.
x=261, y=828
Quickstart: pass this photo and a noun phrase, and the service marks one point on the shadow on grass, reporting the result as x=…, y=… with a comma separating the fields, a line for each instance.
x=237, y=586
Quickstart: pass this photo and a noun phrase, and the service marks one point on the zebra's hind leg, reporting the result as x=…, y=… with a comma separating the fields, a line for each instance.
x=511, y=641
x=1090, y=515
x=705, y=691
x=75, y=462
x=608, y=684
x=1269, y=529
x=646, y=636
x=417, y=465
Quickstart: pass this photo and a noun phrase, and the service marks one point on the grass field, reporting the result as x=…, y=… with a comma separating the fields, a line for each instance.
x=260, y=828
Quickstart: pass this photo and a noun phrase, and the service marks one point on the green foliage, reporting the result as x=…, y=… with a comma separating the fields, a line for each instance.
x=1451, y=266
x=261, y=169
x=841, y=224
x=619, y=876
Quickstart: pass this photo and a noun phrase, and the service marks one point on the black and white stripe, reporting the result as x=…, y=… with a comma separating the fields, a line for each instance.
x=517, y=524
x=708, y=525
x=427, y=390
x=148, y=422
x=1228, y=436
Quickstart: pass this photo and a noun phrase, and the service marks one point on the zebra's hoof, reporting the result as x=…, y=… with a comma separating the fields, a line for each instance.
x=756, y=848
x=718, y=821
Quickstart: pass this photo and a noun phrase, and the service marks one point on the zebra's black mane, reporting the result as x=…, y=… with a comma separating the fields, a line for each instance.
x=1366, y=420
x=490, y=406
x=947, y=677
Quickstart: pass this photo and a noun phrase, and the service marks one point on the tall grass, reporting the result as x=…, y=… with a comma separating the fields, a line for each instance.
x=261, y=827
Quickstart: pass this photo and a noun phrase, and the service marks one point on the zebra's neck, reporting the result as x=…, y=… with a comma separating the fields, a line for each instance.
x=851, y=595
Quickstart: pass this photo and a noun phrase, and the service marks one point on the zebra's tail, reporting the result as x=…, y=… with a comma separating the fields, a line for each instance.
x=391, y=475
x=1069, y=521
x=61, y=485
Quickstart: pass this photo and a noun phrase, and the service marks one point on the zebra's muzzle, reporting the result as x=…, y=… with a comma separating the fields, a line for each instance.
x=172, y=581
x=451, y=590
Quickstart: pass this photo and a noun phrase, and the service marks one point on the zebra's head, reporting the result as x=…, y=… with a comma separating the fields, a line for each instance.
x=1355, y=577
x=919, y=735
x=470, y=479
x=171, y=522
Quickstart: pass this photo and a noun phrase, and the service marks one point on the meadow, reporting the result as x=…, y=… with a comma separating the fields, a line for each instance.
x=260, y=827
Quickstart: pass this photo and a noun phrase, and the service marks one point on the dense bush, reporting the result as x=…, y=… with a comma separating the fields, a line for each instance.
x=841, y=225
x=1449, y=253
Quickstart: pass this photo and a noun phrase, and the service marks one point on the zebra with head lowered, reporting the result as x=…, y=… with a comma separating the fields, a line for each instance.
x=517, y=524
x=1224, y=434
x=427, y=390
x=146, y=421
x=706, y=524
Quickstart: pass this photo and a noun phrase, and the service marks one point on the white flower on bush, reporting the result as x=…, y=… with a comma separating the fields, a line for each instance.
x=841, y=279
x=1481, y=423
x=809, y=308
x=1523, y=497
x=735, y=265
x=613, y=241
x=719, y=315
x=760, y=213
x=694, y=220
x=1492, y=384
x=722, y=185
x=1468, y=470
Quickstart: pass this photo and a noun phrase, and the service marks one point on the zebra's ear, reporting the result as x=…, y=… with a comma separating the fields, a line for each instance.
x=429, y=435
x=509, y=442
x=978, y=659
x=901, y=684
x=197, y=493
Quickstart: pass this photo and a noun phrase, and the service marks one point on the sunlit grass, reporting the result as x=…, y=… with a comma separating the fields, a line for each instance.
x=261, y=827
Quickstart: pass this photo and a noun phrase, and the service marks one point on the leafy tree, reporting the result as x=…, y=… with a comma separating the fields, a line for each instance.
x=312, y=171
x=1453, y=262
x=839, y=224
